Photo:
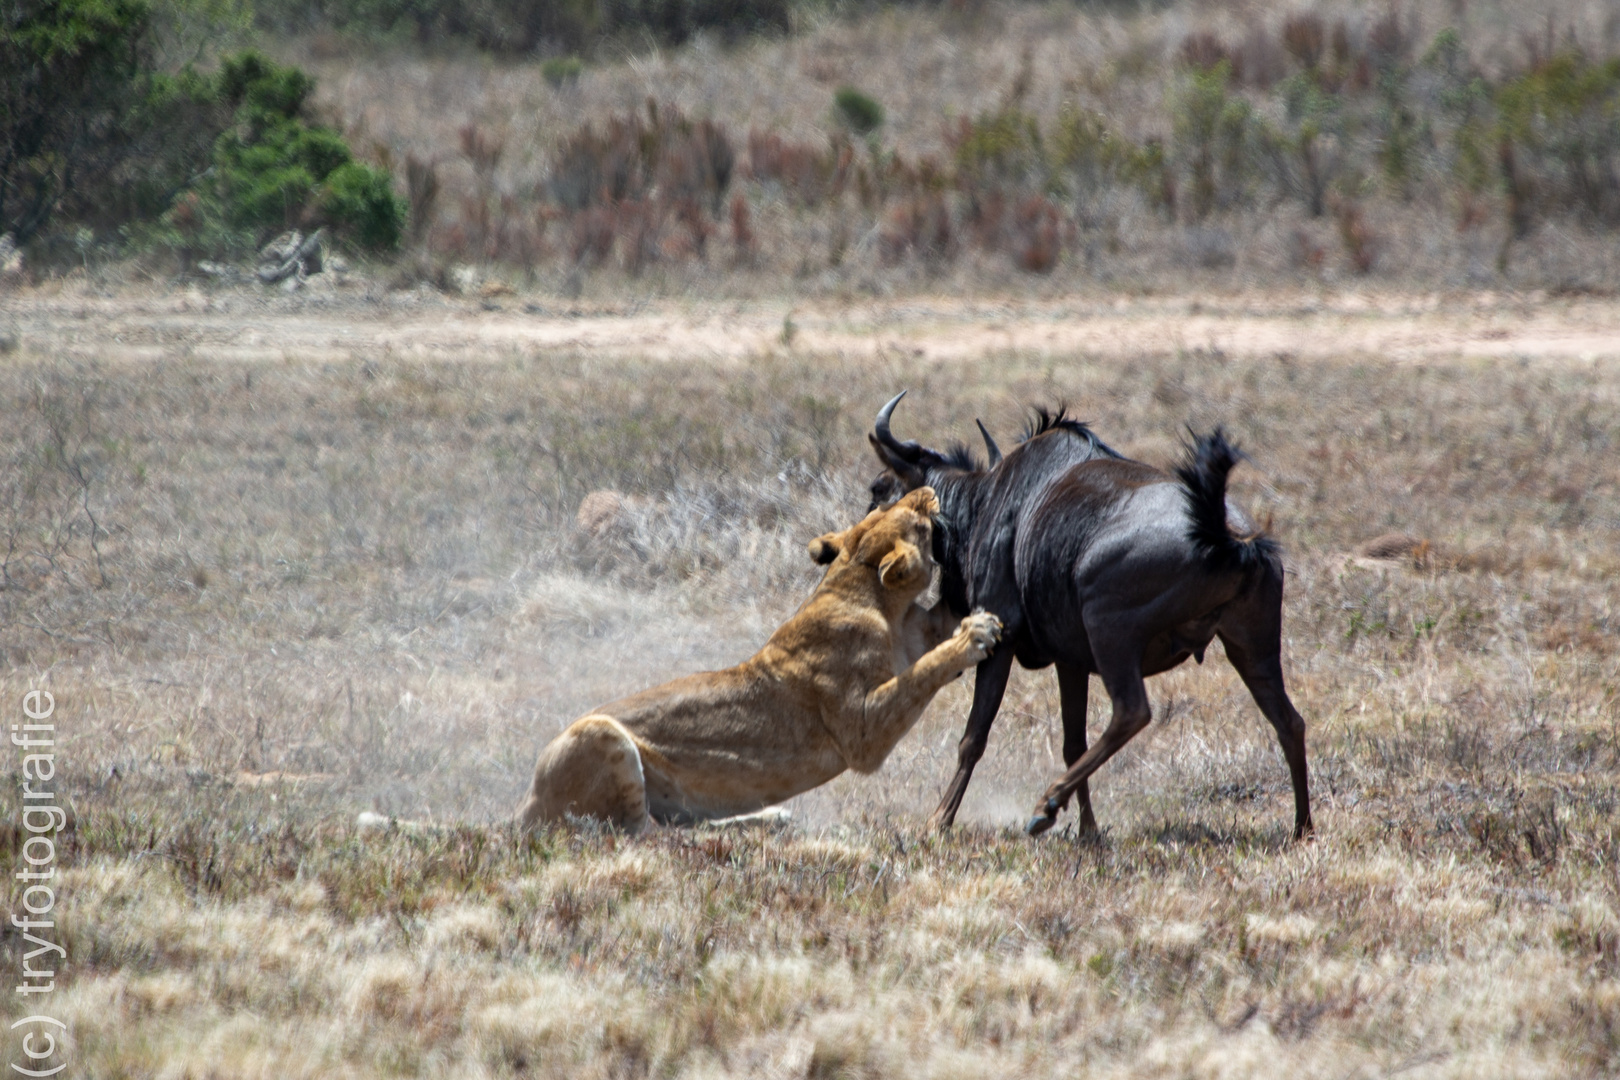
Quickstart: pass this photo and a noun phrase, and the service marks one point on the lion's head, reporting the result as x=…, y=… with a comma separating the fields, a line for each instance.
x=897, y=539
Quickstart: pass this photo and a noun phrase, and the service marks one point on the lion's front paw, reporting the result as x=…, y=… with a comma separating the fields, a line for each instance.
x=980, y=630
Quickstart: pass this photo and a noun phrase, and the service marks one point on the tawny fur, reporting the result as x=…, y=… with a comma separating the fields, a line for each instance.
x=835, y=688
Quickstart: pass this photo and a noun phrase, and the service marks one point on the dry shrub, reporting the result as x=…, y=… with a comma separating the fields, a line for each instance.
x=1390, y=41
x=807, y=173
x=594, y=168
x=1203, y=50
x=1359, y=240
x=986, y=217
x=594, y=233
x=1038, y=237
x=1472, y=212
x=630, y=179
x=482, y=149
x=744, y=244
x=641, y=225
x=1260, y=61
x=695, y=161
x=920, y=226
x=422, y=188
x=1305, y=38
x=1305, y=252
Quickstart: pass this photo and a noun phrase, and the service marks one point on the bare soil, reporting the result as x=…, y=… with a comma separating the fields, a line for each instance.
x=255, y=325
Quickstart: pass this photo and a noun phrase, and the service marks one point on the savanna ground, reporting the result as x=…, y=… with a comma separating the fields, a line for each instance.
x=285, y=560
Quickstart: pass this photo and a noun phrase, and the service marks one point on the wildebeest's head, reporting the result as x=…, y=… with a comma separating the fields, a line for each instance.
x=906, y=465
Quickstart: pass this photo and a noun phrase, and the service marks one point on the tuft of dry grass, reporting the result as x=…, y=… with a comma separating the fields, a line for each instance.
x=271, y=593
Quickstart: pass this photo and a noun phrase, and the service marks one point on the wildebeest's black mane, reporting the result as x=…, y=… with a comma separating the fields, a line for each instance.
x=1043, y=419
x=958, y=456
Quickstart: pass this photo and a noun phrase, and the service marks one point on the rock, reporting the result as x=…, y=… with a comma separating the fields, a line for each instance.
x=218, y=271
x=9, y=341
x=303, y=260
x=281, y=248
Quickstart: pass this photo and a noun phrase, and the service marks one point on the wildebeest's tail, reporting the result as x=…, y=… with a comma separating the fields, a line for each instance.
x=1203, y=479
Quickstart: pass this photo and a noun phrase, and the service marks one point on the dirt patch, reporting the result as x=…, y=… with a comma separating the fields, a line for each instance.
x=246, y=326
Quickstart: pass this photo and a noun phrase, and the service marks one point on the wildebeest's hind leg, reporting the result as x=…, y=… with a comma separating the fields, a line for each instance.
x=989, y=683
x=1073, y=685
x=1120, y=666
x=1251, y=630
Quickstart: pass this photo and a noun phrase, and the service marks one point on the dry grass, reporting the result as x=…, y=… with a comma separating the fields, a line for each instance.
x=362, y=573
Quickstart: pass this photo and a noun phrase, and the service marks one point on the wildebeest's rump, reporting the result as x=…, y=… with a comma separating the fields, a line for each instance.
x=1098, y=564
x=835, y=688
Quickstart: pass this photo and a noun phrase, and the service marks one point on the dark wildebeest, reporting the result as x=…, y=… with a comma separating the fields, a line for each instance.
x=1096, y=563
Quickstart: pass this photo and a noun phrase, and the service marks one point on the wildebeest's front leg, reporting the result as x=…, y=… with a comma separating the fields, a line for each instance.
x=1122, y=674
x=1073, y=686
x=989, y=683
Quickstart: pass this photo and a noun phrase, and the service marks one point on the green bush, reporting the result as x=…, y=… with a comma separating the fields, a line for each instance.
x=859, y=113
x=362, y=200
x=93, y=134
x=69, y=73
x=275, y=170
x=561, y=71
x=1000, y=148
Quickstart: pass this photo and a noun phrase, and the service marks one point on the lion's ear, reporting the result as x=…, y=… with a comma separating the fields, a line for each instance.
x=900, y=567
x=827, y=547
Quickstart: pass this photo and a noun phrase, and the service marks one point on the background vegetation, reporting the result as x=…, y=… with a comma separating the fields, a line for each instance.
x=1108, y=144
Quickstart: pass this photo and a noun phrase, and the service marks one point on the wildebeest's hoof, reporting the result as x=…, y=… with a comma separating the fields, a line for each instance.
x=1039, y=824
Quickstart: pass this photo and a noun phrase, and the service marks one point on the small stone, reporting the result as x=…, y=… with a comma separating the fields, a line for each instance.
x=281, y=248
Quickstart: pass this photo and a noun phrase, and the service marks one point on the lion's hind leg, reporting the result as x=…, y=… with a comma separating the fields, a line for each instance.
x=591, y=770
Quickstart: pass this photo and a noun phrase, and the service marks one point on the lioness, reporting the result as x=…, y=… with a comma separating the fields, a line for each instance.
x=835, y=688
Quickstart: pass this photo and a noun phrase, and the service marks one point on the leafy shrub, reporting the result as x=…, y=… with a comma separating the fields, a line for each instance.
x=69, y=72
x=1305, y=147
x=274, y=169
x=1560, y=123
x=362, y=199
x=1214, y=132
x=856, y=111
x=999, y=148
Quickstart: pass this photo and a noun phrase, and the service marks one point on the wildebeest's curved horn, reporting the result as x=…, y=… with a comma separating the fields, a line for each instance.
x=990, y=446
x=908, y=451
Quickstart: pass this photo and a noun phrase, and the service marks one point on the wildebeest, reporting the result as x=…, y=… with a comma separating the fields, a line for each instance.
x=1096, y=563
